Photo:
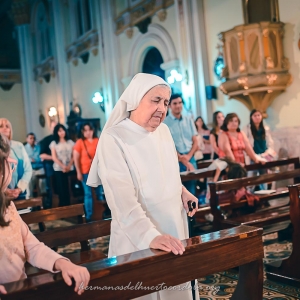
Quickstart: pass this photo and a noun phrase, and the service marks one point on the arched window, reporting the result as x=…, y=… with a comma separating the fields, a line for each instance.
x=42, y=32
x=152, y=62
x=83, y=17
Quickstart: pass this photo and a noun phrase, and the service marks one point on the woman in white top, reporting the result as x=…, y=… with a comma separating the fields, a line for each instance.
x=137, y=163
x=62, y=155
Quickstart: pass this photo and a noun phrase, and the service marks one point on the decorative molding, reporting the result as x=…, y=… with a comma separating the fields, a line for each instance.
x=134, y=15
x=162, y=15
x=45, y=70
x=8, y=76
x=20, y=12
x=88, y=42
x=157, y=37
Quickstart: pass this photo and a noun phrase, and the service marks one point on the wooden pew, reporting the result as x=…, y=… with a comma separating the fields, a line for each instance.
x=204, y=255
x=288, y=270
x=33, y=202
x=206, y=209
x=57, y=213
x=260, y=218
x=198, y=174
x=72, y=234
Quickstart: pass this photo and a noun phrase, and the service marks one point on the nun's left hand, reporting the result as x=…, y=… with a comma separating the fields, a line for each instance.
x=186, y=196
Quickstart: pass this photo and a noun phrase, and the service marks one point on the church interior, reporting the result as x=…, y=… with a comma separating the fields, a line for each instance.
x=230, y=70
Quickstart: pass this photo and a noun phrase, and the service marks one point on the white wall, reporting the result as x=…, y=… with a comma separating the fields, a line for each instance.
x=284, y=112
x=85, y=81
x=222, y=16
x=47, y=97
x=12, y=108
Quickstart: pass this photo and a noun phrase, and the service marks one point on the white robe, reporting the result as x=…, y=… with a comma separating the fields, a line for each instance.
x=140, y=175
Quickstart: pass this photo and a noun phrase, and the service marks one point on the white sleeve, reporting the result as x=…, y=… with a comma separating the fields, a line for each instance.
x=121, y=194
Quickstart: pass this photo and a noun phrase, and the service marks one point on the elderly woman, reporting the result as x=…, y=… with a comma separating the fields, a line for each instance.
x=20, y=178
x=233, y=143
x=137, y=163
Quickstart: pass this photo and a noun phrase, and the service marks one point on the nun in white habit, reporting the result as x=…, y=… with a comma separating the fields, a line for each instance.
x=136, y=162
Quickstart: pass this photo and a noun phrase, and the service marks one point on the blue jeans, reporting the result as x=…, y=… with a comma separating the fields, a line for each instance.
x=88, y=199
x=190, y=185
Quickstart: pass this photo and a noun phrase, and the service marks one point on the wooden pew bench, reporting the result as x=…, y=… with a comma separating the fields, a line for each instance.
x=33, y=202
x=199, y=218
x=288, y=270
x=53, y=214
x=72, y=234
x=263, y=214
x=204, y=255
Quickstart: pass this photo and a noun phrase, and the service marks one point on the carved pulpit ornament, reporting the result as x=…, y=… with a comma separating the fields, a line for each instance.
x=255, y=71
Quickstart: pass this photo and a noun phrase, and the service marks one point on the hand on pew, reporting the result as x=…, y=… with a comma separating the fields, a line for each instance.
x=186, y=196
x=69, y=271
x=167, y=243
x=2, y=290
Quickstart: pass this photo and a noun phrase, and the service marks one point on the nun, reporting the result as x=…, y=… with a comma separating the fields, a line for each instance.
x=136, y=162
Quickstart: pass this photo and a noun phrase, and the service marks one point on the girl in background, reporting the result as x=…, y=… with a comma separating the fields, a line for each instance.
x=204, y=132
x=62, y=155
x=218, y=119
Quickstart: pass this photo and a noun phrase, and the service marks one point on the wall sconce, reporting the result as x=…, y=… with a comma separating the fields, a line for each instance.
x=175, y=76
x=98, y=98
x=52, y=112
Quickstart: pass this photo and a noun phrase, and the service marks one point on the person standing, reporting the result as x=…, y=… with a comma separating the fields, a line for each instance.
x=46, y=157
x=184, y=134
x=137, y=163
x=83, y=153
x=62, y=155
x=33, y=151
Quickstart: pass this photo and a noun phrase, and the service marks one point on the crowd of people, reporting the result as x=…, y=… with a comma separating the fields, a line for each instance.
x=54, y=157
x=138, y=161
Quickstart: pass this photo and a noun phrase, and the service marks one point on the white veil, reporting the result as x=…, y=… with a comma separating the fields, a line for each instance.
x=129, y=100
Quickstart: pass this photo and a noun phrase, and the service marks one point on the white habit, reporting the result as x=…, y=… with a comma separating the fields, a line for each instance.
x=140, y=176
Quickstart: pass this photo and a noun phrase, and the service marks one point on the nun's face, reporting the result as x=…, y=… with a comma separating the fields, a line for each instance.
x=153, y=108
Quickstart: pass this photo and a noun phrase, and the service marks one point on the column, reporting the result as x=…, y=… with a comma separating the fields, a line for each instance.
x=64, y=89
x=28, y=84
x=109, y=55
x=193, y=55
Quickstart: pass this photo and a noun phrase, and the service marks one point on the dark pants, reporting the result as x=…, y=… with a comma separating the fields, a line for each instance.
x=62, y=187
x=48, y=167
x=190, y=185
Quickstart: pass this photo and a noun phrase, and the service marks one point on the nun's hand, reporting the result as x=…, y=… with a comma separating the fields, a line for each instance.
x=167, y=243
x=186, y=196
